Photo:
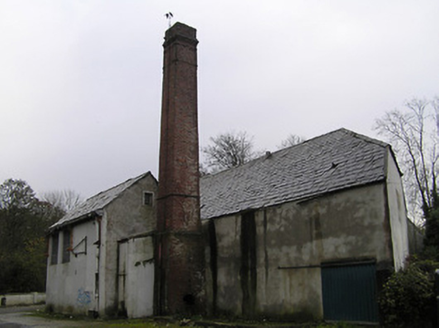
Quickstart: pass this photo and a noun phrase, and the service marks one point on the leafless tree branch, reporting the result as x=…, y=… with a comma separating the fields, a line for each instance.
x=414, y=137
x=228, y=150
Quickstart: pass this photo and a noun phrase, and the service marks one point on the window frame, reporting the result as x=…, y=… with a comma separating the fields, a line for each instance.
x=148, y=195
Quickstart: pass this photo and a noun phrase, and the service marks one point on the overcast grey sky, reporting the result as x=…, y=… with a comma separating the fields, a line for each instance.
x=80, y=80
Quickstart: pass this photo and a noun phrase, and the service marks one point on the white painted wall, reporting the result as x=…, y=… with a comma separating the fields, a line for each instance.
x=398, y=214
x=23, y=299
x=70, y=286
x=136, y=276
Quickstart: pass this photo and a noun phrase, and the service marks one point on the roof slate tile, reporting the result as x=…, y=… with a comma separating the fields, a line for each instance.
x=96, y=202
x=334, y=161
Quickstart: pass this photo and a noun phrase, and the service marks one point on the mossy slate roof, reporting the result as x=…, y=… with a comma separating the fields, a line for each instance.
x=338, y=160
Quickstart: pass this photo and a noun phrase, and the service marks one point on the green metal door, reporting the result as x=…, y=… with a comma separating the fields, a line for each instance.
x=349, y=292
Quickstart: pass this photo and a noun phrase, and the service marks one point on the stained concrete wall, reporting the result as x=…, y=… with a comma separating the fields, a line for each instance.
x=224, y=263
x=291, y=242
x=71, y=285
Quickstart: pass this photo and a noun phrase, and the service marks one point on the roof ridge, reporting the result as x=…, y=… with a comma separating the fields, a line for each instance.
x=366, y=138
x=342, y=129
x=119, y=184
x=303, y=170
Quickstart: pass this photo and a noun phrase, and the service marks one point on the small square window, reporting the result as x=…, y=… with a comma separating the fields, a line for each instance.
x=148, y=198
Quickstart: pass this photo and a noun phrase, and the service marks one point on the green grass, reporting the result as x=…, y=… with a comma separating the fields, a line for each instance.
x=173, y=322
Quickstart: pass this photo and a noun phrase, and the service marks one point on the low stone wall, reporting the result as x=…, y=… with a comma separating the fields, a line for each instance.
x=22, y=299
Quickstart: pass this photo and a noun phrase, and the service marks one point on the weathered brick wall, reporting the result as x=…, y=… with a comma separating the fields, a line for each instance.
x=179, y=248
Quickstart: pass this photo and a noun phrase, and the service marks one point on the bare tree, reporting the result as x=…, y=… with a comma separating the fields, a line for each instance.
x=228, y=150
x=413, y=134
x=291, y=140
x=65, y=200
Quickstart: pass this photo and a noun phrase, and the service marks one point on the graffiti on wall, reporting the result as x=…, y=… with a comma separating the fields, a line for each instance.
x=83, y=298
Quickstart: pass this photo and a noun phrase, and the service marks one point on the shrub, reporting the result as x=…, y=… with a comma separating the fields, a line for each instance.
x=407, y=298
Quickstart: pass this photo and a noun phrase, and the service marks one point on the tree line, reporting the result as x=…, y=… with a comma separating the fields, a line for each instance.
x=24, y=221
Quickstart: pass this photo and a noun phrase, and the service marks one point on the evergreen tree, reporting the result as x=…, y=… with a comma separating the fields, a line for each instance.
x=431, y=214
x=23, y=224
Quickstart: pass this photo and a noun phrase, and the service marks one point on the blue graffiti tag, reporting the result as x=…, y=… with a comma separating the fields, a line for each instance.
x=84, y=297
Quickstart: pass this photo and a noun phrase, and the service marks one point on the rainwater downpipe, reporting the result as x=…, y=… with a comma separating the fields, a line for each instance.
x=98, y=259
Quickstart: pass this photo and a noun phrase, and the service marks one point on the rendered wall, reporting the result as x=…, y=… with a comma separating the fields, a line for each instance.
x=89, y=281
x=124, y=217
x=71, y=286
x=136, y=277
x=292, y=240
x=22, y=299
x=398, y=216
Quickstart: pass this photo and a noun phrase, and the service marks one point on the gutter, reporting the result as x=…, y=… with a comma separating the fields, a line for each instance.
x=88, y=216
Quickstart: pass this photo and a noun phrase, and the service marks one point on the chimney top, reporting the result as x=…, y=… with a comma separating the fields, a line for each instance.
x=181, y=31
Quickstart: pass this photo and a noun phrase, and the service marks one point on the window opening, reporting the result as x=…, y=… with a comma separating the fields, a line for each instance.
x=148, y=198
x=54, y=252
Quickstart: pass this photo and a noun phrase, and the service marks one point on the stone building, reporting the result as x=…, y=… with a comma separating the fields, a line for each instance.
x=310, y=231
x=285, y=235
x=86, y=270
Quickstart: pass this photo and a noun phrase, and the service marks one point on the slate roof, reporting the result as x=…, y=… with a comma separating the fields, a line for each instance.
x=334, y=161
x=96, y=203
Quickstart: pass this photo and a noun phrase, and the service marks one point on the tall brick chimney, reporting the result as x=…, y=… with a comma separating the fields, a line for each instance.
x=180, y=253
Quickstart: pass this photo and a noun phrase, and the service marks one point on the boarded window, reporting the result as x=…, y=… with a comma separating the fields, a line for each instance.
x=66, y=246
x=54, y=250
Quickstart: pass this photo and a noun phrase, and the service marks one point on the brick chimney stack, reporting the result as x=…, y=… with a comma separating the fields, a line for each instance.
x=180, y=251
